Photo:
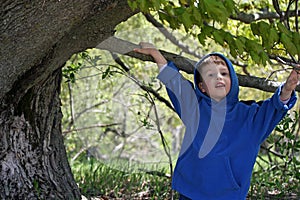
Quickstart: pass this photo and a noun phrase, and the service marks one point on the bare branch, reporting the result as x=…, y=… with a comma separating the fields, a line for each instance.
x=163, y=139
x=276, y=7
x=90, y=127
x=89, y=108
x=71, y=101
x=142, y=86
x=248, y=18
x=169, y=36
x=296, y=17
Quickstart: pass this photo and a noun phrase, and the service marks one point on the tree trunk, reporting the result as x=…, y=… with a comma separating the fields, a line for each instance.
x=33, y=158
x=37, y=38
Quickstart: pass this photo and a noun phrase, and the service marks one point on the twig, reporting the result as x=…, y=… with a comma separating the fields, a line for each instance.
x=296, y=17
x=71, y=106
x=169, y=36
x=89, y=108
x=163, y=140
x=90, y=127
x=275, y=71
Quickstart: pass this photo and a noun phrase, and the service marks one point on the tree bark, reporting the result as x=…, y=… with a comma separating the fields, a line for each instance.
x=33, y=159
x=37, y=38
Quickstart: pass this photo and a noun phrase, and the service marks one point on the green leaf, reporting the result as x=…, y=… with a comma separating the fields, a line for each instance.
x=218, y=37
x=72, y=77
x=273, y=36
x=296, y=40
x=254, y=50
x=263, y=27
x=205, y=31
x=240, y=44
x=254, y=56
x=186, y=20
x=288, y=44
x=184, y=2
x=282, y=28
x=233, y=51
x=216, y=10
x=106, y=73
x=254, y=28
x=156, y=5
x=264, y=58
x=197, y=16
x=132, y=4
x=230, y=5
x=179, y=11
x=142, y=5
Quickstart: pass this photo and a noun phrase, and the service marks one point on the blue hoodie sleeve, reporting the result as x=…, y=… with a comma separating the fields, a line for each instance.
x=181, y=92
x=270, y=113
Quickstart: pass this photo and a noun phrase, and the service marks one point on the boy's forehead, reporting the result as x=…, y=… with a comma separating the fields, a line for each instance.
x=213, y=60
x=216, y=59
x=214, y=66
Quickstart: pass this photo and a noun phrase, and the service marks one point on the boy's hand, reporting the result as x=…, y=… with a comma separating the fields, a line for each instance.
x=146, y=48
x=150, y=49
x=290, y=85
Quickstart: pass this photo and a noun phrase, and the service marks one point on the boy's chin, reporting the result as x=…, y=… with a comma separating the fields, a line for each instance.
x=218, y=99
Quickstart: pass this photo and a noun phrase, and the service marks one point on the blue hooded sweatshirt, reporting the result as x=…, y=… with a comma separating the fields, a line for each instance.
x=222, y=139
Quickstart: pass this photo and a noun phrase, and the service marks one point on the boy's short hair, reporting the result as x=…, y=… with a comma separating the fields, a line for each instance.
x=209, y=60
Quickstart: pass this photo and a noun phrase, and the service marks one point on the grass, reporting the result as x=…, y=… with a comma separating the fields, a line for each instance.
x=121, y=181
x=98, y=179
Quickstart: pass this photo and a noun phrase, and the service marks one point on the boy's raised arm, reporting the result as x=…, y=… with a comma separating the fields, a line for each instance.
x=150, y=49
x=290, y=85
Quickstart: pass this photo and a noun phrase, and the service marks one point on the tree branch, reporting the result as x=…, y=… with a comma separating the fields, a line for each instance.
x=185, y=64
x=90, y=127
x=167, y=34
x=248, y=18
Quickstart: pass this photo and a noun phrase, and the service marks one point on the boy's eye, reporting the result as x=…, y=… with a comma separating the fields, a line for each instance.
x=224, y=74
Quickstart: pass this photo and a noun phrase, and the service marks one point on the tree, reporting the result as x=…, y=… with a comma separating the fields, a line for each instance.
x=37, y=38
x=253, y=31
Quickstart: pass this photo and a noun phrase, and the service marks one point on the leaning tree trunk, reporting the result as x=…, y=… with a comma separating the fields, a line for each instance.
x=36, y=39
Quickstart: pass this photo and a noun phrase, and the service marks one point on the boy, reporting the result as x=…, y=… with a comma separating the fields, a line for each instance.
x=223, y=135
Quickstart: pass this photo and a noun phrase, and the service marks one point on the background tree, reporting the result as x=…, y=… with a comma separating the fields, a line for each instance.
x=37, y=38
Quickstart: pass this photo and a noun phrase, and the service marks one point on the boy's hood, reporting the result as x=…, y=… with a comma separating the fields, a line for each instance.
x=232, y=96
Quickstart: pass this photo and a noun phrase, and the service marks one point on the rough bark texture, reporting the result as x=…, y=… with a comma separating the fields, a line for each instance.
x=37, y=38
x=33, y=158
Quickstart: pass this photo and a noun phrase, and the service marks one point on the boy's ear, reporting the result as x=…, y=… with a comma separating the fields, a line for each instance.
x=200, y=85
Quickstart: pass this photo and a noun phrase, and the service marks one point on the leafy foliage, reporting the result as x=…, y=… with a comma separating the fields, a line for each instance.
x=277, y=171
x=266, y=35
x=73, y=66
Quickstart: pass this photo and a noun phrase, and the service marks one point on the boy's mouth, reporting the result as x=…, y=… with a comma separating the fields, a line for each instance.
x=220, y=85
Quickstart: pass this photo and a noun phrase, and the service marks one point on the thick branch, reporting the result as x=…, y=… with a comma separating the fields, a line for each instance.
x=124, y=47
x=248, y=18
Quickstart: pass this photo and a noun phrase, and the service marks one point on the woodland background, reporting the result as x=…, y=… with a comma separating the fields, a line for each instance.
x=82, y=116
x=129, y=131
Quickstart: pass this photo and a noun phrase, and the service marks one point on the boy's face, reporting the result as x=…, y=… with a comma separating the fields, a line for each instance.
x=216, y=80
